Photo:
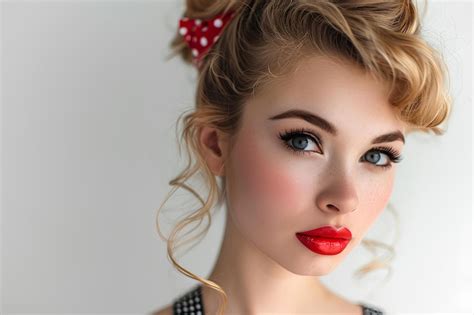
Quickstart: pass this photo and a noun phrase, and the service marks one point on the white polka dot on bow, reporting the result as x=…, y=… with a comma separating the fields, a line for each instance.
x=217, y=22
x=183, y=31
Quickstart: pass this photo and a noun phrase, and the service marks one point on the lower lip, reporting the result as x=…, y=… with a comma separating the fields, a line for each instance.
x=323, y=245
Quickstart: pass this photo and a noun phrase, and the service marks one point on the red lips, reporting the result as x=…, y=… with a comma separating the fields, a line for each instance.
x=329, y=232
x=326, y=240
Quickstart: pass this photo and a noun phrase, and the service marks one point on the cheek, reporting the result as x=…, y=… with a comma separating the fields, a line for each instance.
x=261, y=188
x=378, y=194
x=381, y=194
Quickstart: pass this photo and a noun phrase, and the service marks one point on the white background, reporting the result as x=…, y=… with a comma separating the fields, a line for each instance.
x=89, y=105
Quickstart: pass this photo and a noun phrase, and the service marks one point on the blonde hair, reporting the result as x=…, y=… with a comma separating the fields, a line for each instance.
x=264, y=41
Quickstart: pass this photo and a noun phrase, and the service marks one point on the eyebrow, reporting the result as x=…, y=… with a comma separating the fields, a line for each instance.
x=330, y=128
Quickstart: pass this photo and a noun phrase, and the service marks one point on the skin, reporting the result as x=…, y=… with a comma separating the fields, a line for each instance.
x=272, y=192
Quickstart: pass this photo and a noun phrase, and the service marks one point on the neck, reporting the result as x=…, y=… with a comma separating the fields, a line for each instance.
x=256, y=284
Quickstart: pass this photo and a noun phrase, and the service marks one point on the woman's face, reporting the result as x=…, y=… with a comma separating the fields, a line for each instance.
x=277, y=187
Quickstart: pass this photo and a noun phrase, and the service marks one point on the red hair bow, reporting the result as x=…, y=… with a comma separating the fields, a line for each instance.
x=200, y=35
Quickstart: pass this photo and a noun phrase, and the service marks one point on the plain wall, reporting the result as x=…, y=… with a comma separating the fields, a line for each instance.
x=89, y=105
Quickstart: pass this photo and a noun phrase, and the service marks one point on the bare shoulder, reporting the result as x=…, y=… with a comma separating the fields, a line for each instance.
x=350, y=308
x=167, y=310
x=344, y=306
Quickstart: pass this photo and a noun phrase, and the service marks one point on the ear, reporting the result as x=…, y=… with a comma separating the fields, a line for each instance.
x=214, y=146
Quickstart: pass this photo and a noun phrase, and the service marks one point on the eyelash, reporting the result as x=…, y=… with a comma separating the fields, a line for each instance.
x=393, y=155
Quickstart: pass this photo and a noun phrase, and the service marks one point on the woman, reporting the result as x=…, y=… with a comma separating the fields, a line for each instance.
x=302, y=111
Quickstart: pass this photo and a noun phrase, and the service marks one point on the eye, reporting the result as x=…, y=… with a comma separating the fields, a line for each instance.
x=302, y=141
x=374, y=156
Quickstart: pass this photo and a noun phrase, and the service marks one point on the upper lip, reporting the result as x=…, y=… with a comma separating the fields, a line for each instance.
x=330, y=232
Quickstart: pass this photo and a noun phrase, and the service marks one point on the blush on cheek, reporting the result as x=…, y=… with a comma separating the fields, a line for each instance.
x=379, y=198
x=385, y=194
x=262, y=179
x=385, y=191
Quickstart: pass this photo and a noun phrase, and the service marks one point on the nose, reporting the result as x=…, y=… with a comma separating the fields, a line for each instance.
x=340, y=196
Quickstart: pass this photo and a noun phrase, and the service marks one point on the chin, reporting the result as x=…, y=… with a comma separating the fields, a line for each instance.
x=304, y=262
x=307, y=263
x=318, y=266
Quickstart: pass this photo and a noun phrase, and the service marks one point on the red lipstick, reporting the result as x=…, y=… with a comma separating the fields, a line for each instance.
x=326, y=240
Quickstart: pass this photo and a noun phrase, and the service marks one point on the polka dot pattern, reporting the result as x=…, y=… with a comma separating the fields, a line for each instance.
x=201, y=34
x=189, y=303
x=367, y=310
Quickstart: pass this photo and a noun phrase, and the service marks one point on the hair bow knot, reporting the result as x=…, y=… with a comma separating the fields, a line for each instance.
x=201, y=34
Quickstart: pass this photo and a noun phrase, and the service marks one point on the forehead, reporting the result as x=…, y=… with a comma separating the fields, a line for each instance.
x=339, y=91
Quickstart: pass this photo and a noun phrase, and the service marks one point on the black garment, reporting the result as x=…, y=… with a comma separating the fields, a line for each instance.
x=190, y=303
